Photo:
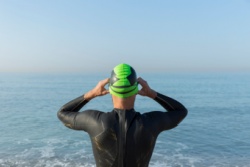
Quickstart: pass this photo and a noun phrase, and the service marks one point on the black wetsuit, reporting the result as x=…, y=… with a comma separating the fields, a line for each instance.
x=122, y=138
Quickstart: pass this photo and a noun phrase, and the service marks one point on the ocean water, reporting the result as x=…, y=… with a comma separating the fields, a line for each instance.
x=216, y=132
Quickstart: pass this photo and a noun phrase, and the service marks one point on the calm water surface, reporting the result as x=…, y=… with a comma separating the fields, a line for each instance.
x=216, y=131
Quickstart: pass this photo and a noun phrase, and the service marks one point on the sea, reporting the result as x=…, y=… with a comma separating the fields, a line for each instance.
x=215, y=133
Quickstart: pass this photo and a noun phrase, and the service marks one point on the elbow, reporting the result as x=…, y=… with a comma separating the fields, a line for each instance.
x=184, y=113
x=60, y=114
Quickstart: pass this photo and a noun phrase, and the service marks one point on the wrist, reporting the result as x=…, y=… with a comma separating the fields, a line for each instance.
x=88, y=96
x=153, y=94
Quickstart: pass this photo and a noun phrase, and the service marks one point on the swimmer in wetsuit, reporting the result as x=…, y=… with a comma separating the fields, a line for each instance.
x=122, y=137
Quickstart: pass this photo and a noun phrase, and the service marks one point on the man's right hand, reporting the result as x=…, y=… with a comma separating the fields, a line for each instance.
x=99, y=90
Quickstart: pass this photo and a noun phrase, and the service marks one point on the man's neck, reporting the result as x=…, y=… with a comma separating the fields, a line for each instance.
x=124, y=104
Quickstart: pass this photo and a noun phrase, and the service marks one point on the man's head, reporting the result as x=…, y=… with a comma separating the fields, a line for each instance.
x=123, y=81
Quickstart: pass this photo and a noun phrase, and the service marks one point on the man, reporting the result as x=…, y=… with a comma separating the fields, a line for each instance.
x=122, y=137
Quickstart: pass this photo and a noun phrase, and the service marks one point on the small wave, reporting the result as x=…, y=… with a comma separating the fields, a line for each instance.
x=42, y=163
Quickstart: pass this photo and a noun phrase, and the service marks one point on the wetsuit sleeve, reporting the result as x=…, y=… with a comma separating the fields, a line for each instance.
x=167, y=120
x=69, y=113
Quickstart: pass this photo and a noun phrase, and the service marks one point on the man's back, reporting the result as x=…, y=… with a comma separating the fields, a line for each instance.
x=122, y=137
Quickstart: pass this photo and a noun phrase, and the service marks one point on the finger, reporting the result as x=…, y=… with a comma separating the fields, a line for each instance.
x=139, y=80
x=104, y=82
x=105, y=92
x=142, y=93
x=142, y=82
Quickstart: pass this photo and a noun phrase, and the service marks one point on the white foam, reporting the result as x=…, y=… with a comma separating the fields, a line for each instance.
x=42, y=163
x=47, y=152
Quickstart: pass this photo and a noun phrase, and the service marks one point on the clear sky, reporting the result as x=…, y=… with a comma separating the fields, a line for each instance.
x=96, y=35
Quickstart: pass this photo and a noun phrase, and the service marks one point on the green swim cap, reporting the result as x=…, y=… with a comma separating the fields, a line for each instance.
x=123, y=81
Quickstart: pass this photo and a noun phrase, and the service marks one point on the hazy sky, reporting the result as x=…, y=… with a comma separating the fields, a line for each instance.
x=155, y=35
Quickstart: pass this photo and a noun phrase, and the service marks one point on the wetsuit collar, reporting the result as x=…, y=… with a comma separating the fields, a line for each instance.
x=127, y=110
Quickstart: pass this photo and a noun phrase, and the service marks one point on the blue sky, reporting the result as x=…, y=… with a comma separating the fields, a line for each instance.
x=79, y=35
